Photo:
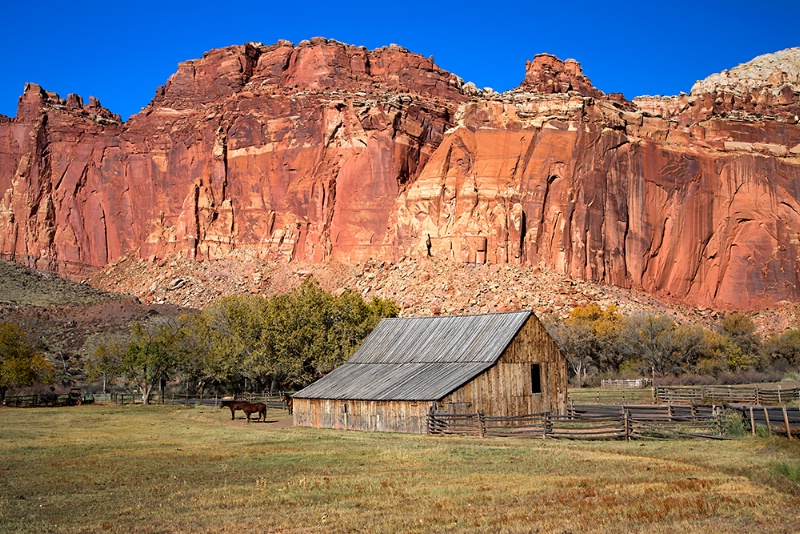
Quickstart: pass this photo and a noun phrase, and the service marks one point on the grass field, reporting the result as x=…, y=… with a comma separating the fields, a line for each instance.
x=171, y=469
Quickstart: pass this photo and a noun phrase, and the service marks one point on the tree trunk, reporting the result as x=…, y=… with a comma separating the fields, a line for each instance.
x=273, y=384
x=148, y=388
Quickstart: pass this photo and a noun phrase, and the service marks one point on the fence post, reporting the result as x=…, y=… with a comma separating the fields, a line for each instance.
x=625, y=415
x=718, y=412
x=758, y=395
x=752, y=422
x=786, y=422
x=546, y=422
x=779, y=394
x=481, y=425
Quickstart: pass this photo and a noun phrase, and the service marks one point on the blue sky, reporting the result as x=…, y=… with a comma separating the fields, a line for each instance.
x=121, y=52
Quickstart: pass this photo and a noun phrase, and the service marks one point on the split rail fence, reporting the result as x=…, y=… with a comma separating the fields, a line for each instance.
x=750, y=395
x=590, y=423
x=757, y=395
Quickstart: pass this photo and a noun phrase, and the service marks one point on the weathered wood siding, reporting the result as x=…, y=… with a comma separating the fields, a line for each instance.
x=506, y=389
x=376, y=416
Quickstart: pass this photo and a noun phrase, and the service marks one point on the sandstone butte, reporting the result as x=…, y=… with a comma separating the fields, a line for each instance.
x=328, y=152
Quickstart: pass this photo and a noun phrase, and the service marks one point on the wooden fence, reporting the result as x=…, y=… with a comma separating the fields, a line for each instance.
x=610, y=395
x=47, y=399
x=775, y=419
x=756, y=395
x=44, y=399
x=626, y=382
x=589, y=422
x=272, y=401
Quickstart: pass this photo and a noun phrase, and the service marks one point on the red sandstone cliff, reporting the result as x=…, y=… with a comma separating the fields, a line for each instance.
x=326, y=151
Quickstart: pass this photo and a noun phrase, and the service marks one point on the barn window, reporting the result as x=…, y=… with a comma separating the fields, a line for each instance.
x=344, y=408
x=536, y=378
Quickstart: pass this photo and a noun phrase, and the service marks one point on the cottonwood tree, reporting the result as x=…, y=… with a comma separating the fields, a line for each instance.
x=105, y=353
x=588, y=338
x=151, y=354
x=742, y=332
x=235, y=326
x=577, y=343
x=203, y=358
x=311, y=332
x=786, y=347
x=21, y=364
x=661, y=344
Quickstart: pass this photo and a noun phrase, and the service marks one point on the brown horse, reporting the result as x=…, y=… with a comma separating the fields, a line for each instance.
x=287, y=401
x=255, y=407
x=248, y=408
x=233, y=405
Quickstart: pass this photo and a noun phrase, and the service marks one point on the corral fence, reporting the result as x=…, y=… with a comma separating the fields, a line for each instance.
x=610, y=395
x=783, y=420
x=42, y=399
x=47, y=399
x=590, y=423
x=686, y=395
x=273, y=401
x=757, y=395
x=626, y=382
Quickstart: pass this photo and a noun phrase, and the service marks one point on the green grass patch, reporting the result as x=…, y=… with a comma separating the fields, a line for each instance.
x=171, y=469
x=789, y=471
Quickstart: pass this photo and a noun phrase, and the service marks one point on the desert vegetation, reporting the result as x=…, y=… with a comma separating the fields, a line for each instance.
x=103, y=468
x=600, y=342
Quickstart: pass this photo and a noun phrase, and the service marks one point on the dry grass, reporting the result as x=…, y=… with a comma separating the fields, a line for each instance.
x=168, y=469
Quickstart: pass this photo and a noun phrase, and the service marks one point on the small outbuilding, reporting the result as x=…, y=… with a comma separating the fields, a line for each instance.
x=502, y=364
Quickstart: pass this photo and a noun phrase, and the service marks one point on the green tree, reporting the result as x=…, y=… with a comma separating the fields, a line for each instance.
x=105, y=354
x=311, y=332
x=203, y=358
x=719, y=354
x=742, y=331
x=661, y=344
x=151, y=354
x=238, y=338
x=20, y=363
x=784, y=346
x=288, y=339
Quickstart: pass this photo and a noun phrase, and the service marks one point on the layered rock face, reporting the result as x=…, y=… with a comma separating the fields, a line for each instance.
x=324, y=151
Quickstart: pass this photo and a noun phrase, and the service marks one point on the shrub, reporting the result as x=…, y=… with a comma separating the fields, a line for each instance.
x=733, y=424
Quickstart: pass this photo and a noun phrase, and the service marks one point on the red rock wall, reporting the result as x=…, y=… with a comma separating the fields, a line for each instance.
x=326, y=151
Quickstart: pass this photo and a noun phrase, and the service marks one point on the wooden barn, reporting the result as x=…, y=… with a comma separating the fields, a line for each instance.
x=498, y=363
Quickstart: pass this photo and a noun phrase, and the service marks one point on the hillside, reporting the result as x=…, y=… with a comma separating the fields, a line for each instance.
x=61, y=315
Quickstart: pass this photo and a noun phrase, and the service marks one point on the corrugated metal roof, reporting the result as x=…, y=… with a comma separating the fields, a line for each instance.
x=420, y=358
